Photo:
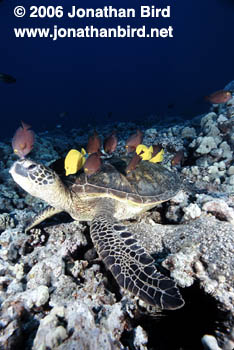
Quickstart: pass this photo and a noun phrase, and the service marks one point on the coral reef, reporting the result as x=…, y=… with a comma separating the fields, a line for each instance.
x=55, y=294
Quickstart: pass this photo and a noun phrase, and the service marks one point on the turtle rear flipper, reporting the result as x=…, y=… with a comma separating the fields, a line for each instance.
x=43, y=215
x=131, y=266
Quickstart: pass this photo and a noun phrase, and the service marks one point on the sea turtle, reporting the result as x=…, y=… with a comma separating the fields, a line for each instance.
x=105, y=198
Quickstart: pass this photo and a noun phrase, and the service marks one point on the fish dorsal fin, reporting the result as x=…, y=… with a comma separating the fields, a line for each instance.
x=25, y=126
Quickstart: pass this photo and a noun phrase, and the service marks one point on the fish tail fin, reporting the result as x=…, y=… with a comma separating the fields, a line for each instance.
x=25, y=126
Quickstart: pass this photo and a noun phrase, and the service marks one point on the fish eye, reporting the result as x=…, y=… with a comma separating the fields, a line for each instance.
x=32, y=166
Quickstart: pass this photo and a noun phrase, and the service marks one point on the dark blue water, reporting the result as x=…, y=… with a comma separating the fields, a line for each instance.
x=101, y=80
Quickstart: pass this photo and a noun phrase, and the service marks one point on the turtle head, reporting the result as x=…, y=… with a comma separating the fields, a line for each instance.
x=37, y=179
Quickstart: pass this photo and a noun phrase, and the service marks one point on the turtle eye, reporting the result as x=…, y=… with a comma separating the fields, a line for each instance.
x=32, y=166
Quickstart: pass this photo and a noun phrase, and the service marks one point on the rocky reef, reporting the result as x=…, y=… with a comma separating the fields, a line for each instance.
x=54, y=292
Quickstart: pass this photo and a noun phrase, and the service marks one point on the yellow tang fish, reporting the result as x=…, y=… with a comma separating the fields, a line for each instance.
x=158, y=158
x=144, y=152
x=74, y=161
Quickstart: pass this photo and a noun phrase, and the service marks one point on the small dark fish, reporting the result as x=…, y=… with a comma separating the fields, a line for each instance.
x=133, y=141
x=133, y=163
x=23, y=140
x=170, y=106
x=92, y=164
x=6, y=78
x=94, y=143
x=63, y=115
x=156, y=149
x=110, y=143
x=220, y=96
x=178, y=158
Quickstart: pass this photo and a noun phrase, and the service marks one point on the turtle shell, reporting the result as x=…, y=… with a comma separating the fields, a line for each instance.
x=148, y=183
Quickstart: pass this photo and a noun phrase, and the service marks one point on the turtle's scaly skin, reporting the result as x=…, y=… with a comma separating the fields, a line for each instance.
x=132, y=267
x=104, y=198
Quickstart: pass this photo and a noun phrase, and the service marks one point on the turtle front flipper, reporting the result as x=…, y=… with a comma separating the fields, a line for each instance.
x=132, y=267
x=43, y=215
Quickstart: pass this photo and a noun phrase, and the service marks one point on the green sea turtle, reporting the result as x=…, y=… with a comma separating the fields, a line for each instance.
x=105, y=198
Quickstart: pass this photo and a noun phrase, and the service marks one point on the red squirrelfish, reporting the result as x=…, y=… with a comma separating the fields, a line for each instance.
x=92, y=164
x=110, y=143
x=94, y=143
x=133, y=141
x=178, y=158
x=23, y=140
x=133, y=163
x=220, y=96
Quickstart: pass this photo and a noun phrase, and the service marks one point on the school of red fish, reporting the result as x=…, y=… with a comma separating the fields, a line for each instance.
x=24, y=138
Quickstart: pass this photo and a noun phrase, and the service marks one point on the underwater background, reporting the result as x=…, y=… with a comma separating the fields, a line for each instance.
x=72, y=82
x=76, y=105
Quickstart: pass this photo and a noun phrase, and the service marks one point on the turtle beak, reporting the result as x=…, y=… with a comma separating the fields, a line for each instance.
x=18, y=168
